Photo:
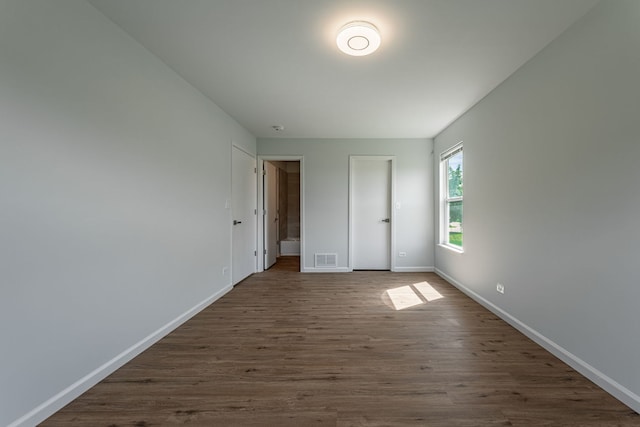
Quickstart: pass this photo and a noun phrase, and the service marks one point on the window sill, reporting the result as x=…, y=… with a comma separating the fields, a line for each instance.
x=451, y=248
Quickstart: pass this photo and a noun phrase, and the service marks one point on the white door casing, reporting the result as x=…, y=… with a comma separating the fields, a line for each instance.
x=271, y=214
x=243, y=213
x=371, y=214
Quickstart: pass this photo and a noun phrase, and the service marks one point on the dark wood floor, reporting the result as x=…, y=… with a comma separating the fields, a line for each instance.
x=291, y=349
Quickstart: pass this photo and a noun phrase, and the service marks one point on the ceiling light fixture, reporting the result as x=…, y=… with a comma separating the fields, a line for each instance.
x=358, y=38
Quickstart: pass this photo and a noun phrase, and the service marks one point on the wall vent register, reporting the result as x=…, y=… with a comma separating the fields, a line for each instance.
x=326, y=260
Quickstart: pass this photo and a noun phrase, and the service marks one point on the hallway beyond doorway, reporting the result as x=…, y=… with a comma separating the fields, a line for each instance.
x=287, y=263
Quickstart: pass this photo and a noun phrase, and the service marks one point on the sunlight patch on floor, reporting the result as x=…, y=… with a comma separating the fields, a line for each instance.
x=404, y=297
x=427, y=291
x=410, y=296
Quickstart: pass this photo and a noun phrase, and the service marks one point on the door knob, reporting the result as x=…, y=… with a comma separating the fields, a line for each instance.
x=236, y=222
x=386, y=220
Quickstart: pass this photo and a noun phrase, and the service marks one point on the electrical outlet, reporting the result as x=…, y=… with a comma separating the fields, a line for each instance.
x=500, y=288
x=225, y=270
x=402, y=254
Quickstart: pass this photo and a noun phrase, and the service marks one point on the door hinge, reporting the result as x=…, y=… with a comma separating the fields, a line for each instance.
x=264, y=172
x=255, y=170
x=255, y=253
x=265, y=251
x=255, y=211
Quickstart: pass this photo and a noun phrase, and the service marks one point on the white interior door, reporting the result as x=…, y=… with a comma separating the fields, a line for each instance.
x=271, y=214
x=243, y=212
x=371, y=216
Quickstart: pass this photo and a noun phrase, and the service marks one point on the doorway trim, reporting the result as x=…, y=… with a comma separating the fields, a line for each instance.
x=261, y=247
x=392, y=202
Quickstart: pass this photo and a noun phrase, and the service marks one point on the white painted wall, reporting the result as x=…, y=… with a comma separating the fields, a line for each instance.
x=552, y=197
x=114, y=174
x=326, y=198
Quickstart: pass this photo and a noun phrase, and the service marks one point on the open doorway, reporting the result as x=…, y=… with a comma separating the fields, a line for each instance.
x=280, y=196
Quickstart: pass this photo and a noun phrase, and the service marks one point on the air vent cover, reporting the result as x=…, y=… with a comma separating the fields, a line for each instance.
x=326, y=260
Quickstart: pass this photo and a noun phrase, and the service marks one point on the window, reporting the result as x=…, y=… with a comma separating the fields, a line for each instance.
x=452, y=178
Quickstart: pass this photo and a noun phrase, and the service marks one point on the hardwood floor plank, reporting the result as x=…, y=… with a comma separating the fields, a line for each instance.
x=291, y=349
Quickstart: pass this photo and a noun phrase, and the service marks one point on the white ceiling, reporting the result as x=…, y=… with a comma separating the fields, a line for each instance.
x=274, y=62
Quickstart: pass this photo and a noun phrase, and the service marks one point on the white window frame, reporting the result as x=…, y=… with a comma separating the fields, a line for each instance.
x=446, y=200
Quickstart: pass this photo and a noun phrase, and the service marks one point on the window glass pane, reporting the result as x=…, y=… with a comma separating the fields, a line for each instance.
x=454, y=175
x=455, y=223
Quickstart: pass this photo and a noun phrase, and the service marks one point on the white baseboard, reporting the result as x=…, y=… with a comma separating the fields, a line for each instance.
x=64, y=397
x=414, y=269
x=326, y=270
x=608, y=384
x=349, y=270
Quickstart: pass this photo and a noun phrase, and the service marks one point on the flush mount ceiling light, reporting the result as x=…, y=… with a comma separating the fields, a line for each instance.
x=358, y=38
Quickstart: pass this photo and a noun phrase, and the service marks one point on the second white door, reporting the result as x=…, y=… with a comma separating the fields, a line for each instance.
x=270, y=214
x=371, y=215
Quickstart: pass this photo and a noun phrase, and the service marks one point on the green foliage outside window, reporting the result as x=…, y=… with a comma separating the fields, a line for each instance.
x=454, y=167
x=455, y=190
